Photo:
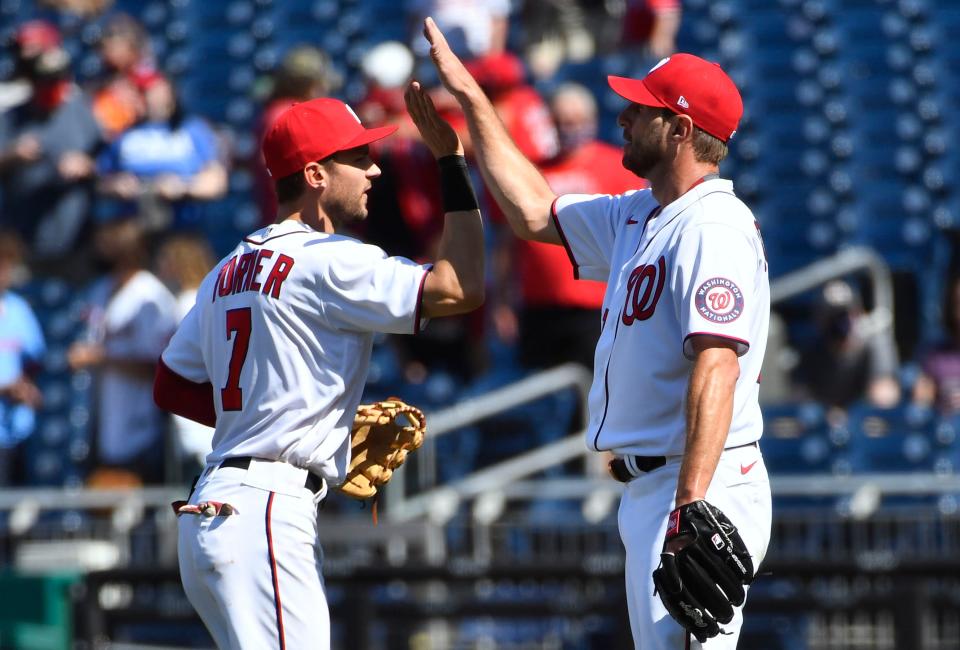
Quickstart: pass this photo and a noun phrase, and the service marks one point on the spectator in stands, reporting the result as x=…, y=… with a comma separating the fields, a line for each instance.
x=559, y=317
x=528, y=120
x=407, y=186
x=387, y=68
x=21, y=351
x=305, y=73
x=82, y=8
x=118, y=102
x=556, y=31
x=652, y=26
x=939, y=382
x=182, y=262
x=779, y=363
x=30, y=40
x=131, y=317
x=474, y=28
x=46, y=169
x=521, y=108
x=164, y=167
x=848, y=361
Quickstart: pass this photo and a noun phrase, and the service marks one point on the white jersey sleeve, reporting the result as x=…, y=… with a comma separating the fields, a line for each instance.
x=717, y=268
x=184, y=354
x=588, y=227
x=369, y=291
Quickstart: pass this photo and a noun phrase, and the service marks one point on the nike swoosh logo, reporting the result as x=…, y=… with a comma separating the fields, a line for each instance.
x=631, y=221
x=746, y=468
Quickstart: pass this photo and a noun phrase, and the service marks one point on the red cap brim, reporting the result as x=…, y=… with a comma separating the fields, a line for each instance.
x=369, y=135
x=634, y=90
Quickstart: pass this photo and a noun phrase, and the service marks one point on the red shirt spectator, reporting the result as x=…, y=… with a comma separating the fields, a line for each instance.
x=558, y=318
x=546, y=275
x=521, y=108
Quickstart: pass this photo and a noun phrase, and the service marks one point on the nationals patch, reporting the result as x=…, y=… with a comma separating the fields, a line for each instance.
x=719, y=300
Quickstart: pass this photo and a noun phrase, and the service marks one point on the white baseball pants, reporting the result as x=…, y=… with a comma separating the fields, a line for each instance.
x=740, y=488
x=255, y=577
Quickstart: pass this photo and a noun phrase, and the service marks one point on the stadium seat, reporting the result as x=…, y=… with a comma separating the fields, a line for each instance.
x=891, y=440
x=797, y=440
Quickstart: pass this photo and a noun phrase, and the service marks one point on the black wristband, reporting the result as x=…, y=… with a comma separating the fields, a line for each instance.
x=456, y=189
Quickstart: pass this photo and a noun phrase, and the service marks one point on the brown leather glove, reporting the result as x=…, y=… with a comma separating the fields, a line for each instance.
x=383, y=434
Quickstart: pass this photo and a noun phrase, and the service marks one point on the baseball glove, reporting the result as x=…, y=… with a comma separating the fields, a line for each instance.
x=703, y=568
x=382, y=436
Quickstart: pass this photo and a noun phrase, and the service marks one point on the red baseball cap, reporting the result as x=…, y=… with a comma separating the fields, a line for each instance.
x=688, y=85
x=496, y=72
x=36, y=36
x=313, y=130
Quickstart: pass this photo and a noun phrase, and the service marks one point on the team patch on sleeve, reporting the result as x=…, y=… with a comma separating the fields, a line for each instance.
x=719, y=300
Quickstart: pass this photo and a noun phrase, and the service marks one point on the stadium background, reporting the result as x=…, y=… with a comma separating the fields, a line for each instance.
x=850, y=107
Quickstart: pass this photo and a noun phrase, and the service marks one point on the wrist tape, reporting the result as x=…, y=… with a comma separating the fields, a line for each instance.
x=456, y=189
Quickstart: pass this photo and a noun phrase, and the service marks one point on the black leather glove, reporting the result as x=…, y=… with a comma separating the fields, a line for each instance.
x=703, y=568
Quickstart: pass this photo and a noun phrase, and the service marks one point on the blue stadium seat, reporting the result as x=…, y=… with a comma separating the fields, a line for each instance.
x=797, y=440
x=56, y=393
x=946, y=444
x=891, y=440
x=44, y=468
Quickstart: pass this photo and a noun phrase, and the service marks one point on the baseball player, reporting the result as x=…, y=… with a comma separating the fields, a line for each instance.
x=684, y=325
x=275, y=354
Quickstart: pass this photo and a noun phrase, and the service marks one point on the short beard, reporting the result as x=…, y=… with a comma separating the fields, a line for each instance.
x=342, y=213
x=639, y=165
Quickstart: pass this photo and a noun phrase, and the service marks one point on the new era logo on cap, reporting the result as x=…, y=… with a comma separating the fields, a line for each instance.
x=688, y=85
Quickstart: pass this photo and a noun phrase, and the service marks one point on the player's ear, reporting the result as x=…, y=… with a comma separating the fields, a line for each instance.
x=316, y=175
x=682, y=127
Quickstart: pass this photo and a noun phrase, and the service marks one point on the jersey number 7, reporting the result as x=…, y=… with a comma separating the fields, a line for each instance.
x=238, y=325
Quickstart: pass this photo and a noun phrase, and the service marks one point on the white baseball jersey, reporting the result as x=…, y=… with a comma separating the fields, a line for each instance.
x=696, y=266
x=133, y=322
x=283, y=328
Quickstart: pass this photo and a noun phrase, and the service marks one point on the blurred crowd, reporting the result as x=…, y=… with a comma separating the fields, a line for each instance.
x=106, y=185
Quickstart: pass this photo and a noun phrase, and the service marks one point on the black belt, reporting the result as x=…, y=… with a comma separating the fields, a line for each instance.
x=313, y=482
x=621, y=471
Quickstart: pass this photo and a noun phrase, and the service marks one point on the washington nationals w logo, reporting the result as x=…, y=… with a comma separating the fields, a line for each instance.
x=719, y=301
x=643, y=291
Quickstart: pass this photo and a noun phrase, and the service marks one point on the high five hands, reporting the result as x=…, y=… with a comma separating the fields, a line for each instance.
x=453, y=74
x=437, y=134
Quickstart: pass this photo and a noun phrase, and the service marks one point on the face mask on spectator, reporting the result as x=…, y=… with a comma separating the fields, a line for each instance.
x=48, y=95
x=572, y=138
x=50, y=77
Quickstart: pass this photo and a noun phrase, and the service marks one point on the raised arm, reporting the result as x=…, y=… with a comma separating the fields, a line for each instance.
x=518, y=187
x=455, y=285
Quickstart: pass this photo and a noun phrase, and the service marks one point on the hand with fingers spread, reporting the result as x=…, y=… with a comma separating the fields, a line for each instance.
x=437, y=134
x=454, y=75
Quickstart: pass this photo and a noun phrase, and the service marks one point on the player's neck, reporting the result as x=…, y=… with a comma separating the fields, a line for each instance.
x=676, y=181
x=307, y=214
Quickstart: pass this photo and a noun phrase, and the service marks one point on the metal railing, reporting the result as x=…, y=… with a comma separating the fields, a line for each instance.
x=850, y=260
x=504, y=481
x=444, y=500
x=499, y=482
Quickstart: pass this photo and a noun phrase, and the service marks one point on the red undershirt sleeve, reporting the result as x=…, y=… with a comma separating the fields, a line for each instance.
x=182, y=397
